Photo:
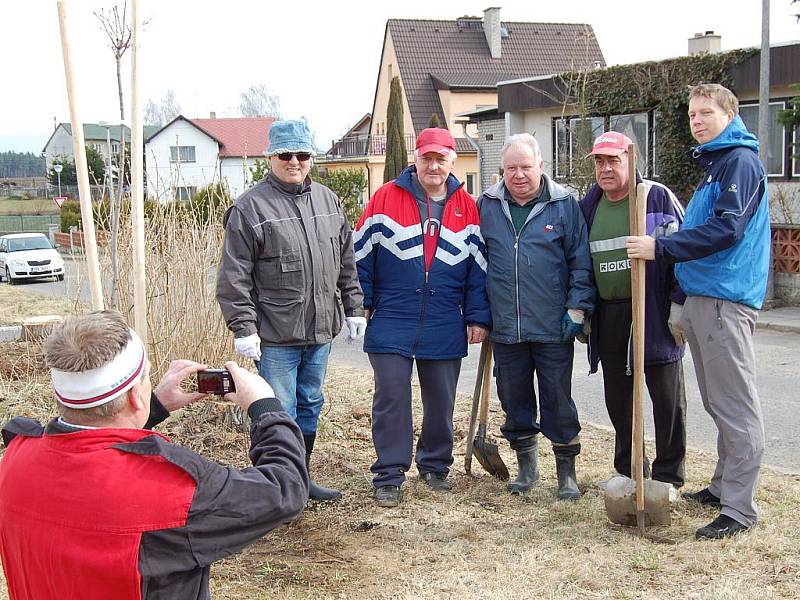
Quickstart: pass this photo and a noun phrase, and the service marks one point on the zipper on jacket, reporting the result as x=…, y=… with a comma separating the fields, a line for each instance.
x=424, y=292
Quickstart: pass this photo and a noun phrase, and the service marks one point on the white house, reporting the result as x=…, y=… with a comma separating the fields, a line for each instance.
x=95, y=135
x=187, y=154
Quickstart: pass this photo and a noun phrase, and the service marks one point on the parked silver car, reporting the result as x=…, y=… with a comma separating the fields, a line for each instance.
x=29, y=256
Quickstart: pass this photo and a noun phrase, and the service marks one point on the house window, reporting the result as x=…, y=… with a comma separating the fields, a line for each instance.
x=98, y=148
x=777, y=134
x=115, y=147
x=574, y=137
x=471, y=179
x=181, y=154
x=635, y=127
x=185, y=193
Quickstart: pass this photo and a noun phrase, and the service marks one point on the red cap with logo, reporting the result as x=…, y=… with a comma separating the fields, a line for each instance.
x=435, y=139
x=611, y=143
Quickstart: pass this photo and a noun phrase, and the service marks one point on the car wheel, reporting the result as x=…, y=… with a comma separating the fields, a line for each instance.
x=60, y=277
x=9, y=278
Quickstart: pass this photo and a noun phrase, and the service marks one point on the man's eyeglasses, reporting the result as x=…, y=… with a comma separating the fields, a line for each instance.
x=287, y=156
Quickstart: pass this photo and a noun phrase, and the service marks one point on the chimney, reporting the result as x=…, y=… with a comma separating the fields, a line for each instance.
x=705, y=43
x=212, y=115
x=491, y=29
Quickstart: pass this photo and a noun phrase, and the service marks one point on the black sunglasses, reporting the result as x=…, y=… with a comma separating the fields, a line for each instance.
x=301, y=156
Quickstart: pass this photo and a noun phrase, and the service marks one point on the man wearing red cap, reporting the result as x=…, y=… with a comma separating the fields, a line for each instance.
x=605, y=208
x=421, y=263
x=95, y=506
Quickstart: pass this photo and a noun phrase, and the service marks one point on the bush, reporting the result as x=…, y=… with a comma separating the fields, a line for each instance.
x=70, y=215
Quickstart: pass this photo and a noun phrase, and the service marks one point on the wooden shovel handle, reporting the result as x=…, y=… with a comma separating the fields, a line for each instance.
x=486, y=378
x=637, y=207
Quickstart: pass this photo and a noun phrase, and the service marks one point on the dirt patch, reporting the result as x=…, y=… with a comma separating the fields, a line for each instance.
x=477, y=541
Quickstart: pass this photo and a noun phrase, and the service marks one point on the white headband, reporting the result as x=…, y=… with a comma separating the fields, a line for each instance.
x=87, y=389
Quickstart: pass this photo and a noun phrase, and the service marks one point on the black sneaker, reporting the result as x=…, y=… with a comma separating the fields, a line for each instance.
x=387, y=495
x=721, y=527
x=436, y=481
x=704, y=497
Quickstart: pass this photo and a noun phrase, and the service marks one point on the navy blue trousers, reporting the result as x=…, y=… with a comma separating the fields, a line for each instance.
x=392, y=425
x=516, y=365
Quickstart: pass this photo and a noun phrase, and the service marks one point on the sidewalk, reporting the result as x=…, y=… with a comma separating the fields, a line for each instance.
x=786, y=318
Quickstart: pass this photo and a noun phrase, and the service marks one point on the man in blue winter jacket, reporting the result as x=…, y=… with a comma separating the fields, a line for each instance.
x=540, y=289
x=421, y=263
x=722, y=260
x=606, y=210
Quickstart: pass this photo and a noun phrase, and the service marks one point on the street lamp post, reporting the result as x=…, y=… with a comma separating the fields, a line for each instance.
x=57, y=168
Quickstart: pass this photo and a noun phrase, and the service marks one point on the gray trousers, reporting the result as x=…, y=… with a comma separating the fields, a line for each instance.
x=720, y=335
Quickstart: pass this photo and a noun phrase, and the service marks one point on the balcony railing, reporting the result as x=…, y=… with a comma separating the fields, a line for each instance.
x=363, y=145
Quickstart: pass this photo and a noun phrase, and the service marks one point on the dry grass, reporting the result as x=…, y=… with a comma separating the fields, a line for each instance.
x=477, y=541
x=19, y=304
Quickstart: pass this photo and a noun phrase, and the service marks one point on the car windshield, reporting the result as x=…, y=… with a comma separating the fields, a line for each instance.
x=31, y=243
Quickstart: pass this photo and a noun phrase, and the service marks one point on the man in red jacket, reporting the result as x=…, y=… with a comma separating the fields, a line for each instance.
x=422, y=266
x=93, y=506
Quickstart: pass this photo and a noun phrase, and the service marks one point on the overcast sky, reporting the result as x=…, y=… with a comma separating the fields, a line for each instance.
x=320, y=57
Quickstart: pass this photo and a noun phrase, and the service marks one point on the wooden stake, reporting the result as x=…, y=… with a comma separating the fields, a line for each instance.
x=81, y=169
x=137, y=182
x=637, y=206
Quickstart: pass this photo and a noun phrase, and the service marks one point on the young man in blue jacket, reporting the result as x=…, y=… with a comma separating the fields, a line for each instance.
x=539, y=282
x=722, y=260
x=605, y=208
x=421, y=263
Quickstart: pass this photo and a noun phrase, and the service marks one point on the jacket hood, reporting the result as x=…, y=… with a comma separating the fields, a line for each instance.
x=557, y=191
x=404, y=180
x=735, y=134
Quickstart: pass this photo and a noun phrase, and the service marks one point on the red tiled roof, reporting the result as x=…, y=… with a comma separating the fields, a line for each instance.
x=245, y=136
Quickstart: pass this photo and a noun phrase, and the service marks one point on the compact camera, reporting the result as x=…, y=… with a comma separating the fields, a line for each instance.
x=215, y=381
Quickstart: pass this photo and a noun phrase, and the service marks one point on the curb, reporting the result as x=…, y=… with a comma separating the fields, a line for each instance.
x=782, y=327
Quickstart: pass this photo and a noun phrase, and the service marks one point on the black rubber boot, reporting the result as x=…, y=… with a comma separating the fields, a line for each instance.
x=567, y=481
x=317, y=492
x=527, y=470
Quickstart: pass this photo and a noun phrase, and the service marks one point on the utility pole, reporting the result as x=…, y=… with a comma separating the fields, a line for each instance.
x=763, y=90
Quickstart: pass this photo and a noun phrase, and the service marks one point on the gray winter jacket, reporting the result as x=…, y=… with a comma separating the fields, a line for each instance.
x=287, y=268
x=534, y=277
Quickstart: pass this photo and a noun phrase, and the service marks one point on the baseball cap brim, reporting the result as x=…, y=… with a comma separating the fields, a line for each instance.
x=438, y=148
x=606, y=152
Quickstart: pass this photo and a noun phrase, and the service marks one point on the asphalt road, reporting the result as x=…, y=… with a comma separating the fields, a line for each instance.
x=778, y=366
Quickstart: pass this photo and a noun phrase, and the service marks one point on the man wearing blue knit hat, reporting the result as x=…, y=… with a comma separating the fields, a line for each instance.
x=287, y=280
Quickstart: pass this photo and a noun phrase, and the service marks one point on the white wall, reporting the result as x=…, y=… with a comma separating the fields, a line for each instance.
x=163, y=175
x=237, y=173
x=539, y=124
x=59, y=145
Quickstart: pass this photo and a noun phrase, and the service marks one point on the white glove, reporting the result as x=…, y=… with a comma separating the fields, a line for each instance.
x=357, y=326
x=576, y=314
x=249, y=347
x=674, y=324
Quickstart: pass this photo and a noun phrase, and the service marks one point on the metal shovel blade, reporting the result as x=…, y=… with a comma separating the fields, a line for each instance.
x=489, y=456
x=620, y=500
